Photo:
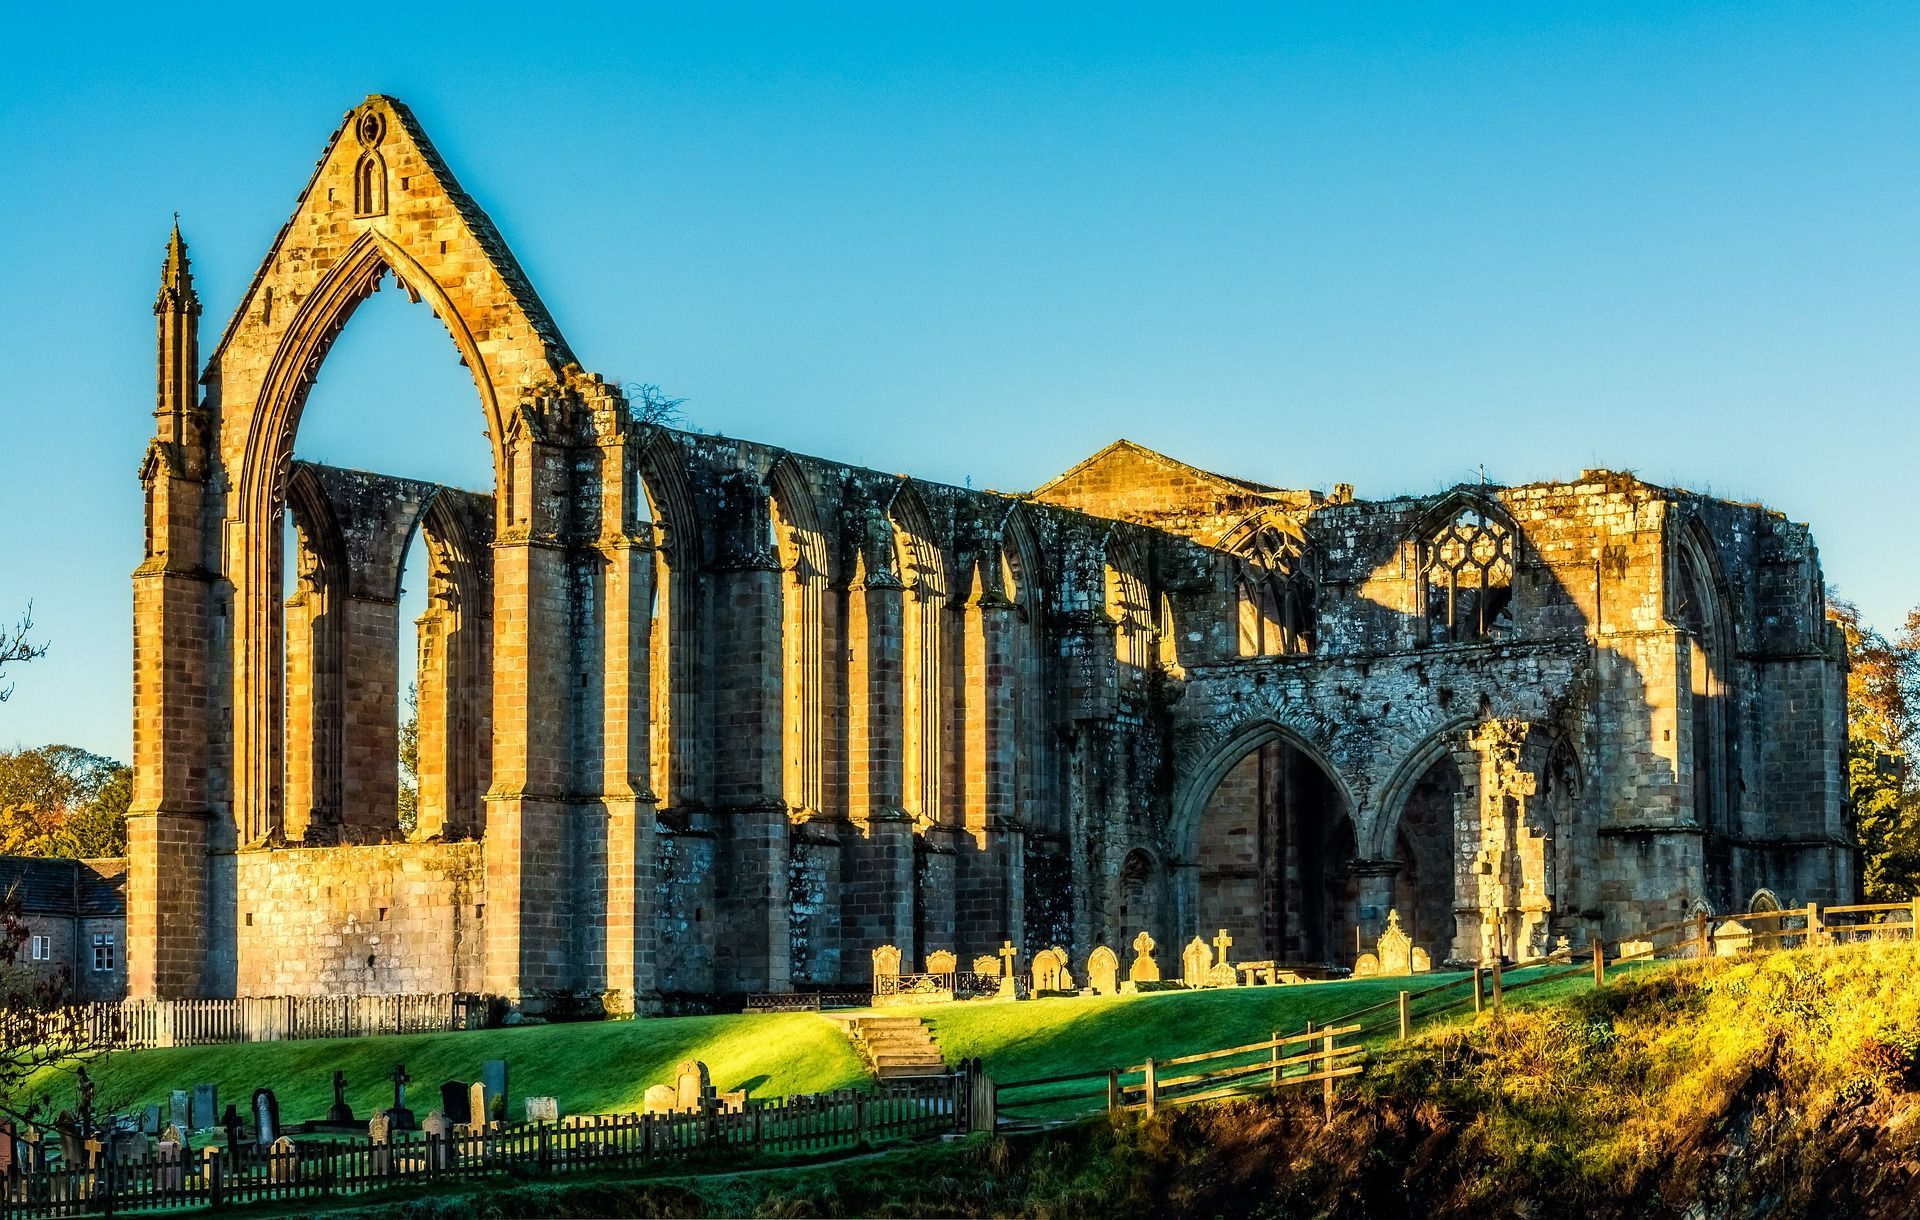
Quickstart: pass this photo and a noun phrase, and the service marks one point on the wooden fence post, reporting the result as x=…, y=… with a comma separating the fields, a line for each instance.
x=1497, y=998
x=1326, y=1068
x=1405, y=1018
x=1703, y=948
x=1813, y=923
x=1913, y=926
x=1153, y=1090
x=1479, y=1003
x=1599, y=963
x=1274, y=1055
x=1113, y=1089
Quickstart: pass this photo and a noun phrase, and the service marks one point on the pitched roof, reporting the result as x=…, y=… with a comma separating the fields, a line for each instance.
x=75, y=888
x=1226, y=482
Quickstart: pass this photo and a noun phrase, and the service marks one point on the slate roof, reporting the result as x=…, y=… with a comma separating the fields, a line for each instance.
x=74, y=888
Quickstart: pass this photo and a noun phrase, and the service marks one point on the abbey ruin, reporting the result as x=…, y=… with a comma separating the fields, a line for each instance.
x=702, y=716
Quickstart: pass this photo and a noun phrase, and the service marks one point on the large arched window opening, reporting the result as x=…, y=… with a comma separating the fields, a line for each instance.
x=801, y=550
x=922, y=571
x=1466, y=570
x=1129, y=607
x=1698, y=610
x=1278, y=586
x=1033, y=786
x=365, y=603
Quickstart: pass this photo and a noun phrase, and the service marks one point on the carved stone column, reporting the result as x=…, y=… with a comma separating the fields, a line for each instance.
x=1509, y=867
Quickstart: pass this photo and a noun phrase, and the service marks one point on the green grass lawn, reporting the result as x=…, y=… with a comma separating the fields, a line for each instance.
x=606, y=1067
x=602, y=1067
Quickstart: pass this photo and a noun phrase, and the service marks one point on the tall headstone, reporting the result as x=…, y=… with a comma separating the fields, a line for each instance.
x=455, y=1102
x=266, y=1118
x=1103, y=971
x=477, y=1115
x=1196, y=961
x=401, y=1116
x=886, y=964
x=692, y=1084
x=340, y=1111
x=1050, y=970
x=493, y=1074
x=180, y=1109
x=1144, y=968
x=206, y=1106
x=150, y=1120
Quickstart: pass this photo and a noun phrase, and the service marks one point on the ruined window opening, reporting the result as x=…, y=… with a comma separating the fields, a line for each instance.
x=1468, y=572
x=1279, y=588
x=1132, y=614
x=369, y=186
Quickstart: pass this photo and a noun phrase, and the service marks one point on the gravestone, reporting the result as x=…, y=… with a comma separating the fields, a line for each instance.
x=439, y=1132
x=1731, y=938
x=1103, y=971
x=886, y=964
x=73, y=1146
x=1196, y=960
x=493, y=1074
x=380, y=1134
x=1144, y=968
x=543, y=1110
x=283, y=1161
x=7, y=1141
x=477, y=1106
x=455, y=1102
x=231, y=1121
x=170, y=1174
x=31, y=1154
x=1009, y=989
x=988, y=965
x=150, y=1120
x=1396, y=955
x=692, y=1085
x=206, y=1106
x=340, y=1111
x=175, y=1136
x=266, y=1118
x=180, y=1109
x=941, y=961
x=402, y=1117
x=661, y=1099
x=1050, y=970
x=127, y=1147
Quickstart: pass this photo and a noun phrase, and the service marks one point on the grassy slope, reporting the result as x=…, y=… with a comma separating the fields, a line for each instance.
x=606, y=1067
x=1782, y=1087
x=602, y=1066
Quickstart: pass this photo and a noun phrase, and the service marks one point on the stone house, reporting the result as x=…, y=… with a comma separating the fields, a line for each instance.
x=75, y=919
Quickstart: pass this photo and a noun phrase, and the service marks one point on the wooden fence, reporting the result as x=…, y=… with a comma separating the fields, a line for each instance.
x=138, y=1024
x=323, y=1168
x=1700, y=938
x=1284, y=1060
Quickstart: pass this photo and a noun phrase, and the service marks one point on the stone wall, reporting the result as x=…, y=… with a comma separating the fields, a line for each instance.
x=397, y=918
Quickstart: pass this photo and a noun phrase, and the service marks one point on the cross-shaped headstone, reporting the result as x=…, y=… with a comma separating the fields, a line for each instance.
x=339, y=1087
x=400, y=1079
x=1143, y=944
x=1007, y=954
x=1221, y=943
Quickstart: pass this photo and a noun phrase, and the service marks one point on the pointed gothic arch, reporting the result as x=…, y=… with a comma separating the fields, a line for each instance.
x=922, y=569
x=802, y=551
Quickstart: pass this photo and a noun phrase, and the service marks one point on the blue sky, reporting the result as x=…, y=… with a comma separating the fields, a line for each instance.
x=1377, y=244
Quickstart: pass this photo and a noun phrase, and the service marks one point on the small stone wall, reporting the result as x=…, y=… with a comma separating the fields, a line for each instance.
x=388, y=919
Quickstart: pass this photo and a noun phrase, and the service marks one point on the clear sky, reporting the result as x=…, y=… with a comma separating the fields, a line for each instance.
x=1378, y=244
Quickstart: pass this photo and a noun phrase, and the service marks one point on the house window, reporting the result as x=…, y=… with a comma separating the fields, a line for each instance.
x=42, y=949
x=103, y=952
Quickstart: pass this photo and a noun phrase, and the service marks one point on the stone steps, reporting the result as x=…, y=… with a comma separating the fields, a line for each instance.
x=896, y=1046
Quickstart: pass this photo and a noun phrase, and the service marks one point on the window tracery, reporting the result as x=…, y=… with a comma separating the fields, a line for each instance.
x=1468, y=574
x=1279, y=586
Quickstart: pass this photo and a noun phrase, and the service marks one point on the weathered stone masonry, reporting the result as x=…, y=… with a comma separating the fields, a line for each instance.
x=699, y=715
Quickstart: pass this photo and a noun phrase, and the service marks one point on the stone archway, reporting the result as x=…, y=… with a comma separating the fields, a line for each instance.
x=1270, y=850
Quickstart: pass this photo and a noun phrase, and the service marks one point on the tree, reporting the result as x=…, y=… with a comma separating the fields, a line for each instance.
x=650, y=405
x=63, y=801
x=17, y=647
x=410, y=763
x=1883, y=726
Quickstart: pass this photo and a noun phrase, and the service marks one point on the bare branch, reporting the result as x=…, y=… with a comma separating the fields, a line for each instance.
x=650, y=405
x=17, y=647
